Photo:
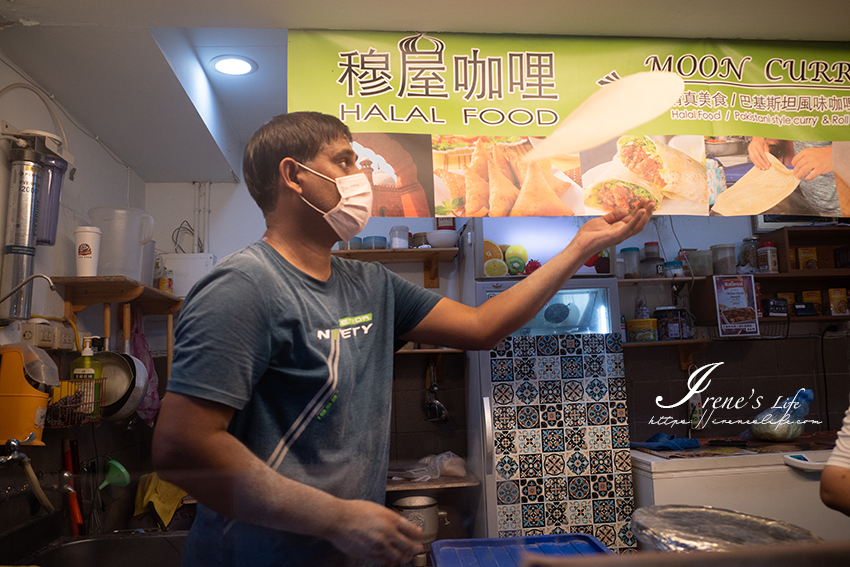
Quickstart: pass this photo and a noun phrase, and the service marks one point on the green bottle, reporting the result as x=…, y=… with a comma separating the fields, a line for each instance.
x=89, y=372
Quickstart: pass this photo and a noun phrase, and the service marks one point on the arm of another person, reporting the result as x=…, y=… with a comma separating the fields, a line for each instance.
x=192, y=449
x=835, y=488
x=453, y=324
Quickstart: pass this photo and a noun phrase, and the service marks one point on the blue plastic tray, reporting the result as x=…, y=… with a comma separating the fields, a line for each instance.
x=509, y=551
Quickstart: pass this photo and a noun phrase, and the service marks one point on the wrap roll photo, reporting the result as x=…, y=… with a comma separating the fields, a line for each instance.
x=676, y=174
x=619, y=187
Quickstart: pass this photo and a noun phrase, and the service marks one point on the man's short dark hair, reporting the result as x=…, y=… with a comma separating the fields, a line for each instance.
x=298, y=135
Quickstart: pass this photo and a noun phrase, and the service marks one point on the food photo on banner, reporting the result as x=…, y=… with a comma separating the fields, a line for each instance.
x=465, y=125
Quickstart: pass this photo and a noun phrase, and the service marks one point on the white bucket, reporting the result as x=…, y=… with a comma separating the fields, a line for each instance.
x=125, y=232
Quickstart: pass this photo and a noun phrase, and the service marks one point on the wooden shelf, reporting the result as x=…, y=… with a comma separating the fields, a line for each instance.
x=429, y=257
x=812, y=319
x=687, y=348
x=83, y=292
x=664, y=281
x=428, y=350
x=433, y=484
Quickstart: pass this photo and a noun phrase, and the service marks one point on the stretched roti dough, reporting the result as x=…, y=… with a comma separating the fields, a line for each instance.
x=611, y=111
x=757, y=191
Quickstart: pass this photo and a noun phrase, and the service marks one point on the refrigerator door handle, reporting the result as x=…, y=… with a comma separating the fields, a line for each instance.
x=489, y=446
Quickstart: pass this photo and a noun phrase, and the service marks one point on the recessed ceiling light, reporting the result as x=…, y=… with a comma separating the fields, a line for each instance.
x=234, y=65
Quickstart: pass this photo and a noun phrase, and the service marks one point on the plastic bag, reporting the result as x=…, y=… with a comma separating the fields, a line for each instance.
x=783, y=421
x=428, y=467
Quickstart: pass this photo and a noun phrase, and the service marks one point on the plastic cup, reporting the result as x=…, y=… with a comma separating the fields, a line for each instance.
x=87, y=239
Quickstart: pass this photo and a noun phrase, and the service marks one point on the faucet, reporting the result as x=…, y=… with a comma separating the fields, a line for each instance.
x=12, y=452
x=63, y=485
x=25, y=282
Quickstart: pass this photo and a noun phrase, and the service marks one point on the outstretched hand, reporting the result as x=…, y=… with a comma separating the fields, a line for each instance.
x=601, y=232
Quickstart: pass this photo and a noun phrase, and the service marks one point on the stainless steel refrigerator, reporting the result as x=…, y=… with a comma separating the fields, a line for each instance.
x=547, y=417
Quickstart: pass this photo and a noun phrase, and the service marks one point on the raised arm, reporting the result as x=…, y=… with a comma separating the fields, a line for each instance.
x=480, y=328
x=193, y=450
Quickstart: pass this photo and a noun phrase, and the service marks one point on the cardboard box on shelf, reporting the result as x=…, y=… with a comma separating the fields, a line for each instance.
x=838, y=301
x=807, y=258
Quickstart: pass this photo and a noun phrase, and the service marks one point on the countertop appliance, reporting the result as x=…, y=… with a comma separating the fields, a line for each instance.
x=547, y=430
x=770, y=485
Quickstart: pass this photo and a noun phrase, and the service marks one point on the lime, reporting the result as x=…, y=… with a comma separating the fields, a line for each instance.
x=515, y=265
x=495, y=267
x=492, y=251
x=518, y=251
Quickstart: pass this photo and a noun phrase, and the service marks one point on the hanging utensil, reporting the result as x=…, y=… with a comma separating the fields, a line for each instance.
x=434, y=410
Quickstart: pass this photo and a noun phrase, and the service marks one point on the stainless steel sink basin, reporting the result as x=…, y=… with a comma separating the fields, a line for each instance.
x=125, y=550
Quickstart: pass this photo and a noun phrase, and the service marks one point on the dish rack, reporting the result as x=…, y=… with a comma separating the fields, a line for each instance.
x=74, y=403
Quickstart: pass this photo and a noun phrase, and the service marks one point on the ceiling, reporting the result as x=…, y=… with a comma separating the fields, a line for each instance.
x=135, y=74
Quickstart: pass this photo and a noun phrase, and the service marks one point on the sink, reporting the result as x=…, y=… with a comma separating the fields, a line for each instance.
x=163, y=549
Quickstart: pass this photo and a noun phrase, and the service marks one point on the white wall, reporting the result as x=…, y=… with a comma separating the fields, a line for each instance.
x=99, y=180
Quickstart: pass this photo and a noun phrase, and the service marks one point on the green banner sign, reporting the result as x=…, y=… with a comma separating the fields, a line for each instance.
x=455, y=103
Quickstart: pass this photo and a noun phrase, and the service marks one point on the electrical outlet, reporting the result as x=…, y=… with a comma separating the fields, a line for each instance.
x=44, y=335
x=28, y=333
x=63, y=338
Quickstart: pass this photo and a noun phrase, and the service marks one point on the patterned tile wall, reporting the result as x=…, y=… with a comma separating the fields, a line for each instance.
x=562, y=437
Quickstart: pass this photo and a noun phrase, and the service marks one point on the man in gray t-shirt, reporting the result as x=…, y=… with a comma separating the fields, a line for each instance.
x=276, y=417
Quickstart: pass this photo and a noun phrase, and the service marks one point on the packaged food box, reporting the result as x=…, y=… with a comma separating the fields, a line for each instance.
x=815, y=298
x=788, y=297
x=807, y=258
x=642, y=330
x=838, y=301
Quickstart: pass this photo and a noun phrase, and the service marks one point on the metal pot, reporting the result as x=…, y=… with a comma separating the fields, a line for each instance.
x=125, y=382
x=422, y=511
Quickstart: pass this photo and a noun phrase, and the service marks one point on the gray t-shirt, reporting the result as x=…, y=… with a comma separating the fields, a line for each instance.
x=308, y=367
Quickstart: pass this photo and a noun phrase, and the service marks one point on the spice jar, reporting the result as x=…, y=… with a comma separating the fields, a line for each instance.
x=723, y=259
x=631, y=256
x=768, y=259
x=651, y=250
x=748, y=255
x=399, y=237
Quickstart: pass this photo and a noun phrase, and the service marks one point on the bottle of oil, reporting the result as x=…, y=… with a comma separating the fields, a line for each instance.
x=88, y=371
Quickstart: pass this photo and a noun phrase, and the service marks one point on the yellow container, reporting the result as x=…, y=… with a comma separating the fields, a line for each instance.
x=642, y=330
x=789, y=297
x=22, y=407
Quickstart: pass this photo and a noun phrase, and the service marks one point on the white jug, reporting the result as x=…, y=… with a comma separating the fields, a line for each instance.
x=125, y=232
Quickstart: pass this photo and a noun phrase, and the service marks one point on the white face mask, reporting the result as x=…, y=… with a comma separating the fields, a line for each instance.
x=352, y=212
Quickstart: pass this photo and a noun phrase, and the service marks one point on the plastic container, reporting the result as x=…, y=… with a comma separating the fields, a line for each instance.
x=48, y=214
x=702, y=262
x=652, y=268
x=674, y=269
x=399, y=237
x=25, y=371
x=768, y=258
x=631, y=257
x=419, y=239
x=651, y=250
x=88, y=372
x=355, y=243
x=723, y=259
x=748, y=255
x=505, y=551
x=374, y=242
x=125, y=232
x=620, y=268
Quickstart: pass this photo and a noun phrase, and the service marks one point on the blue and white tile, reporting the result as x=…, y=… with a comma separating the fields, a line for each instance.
x=524, y=368
x=578, y=463
x=596, y=389
x=527, y=417
x=613, y=343
x=605, y=533
x=548, y=367
x=556, y=489
x=509, y=517
x=598, y=437
x=598, y=413
x=575, y=439
x=526, y=392
x=579, y=487
x=505, y=442
x=533, y=516
x=504, y=417
x=548, y=345
x=575, y=415
x=554, y=465
x=503, y=394
x=604, y=511
x=550, y=391
x=524, y=346
x=530, y=466
x=572, y=366
x=622, y=460
x=571, y=344
x=593, y=343
x=601, y=486
x=552, y=440
x=616, y=389
x=531, y=490
x=594, y=365
x=501, y=370
x=528, y=441
x=601, y=462
x=551, y=416
x=503, y=349
x=619, y=436
x=557, y=513
x=625, y=538
x=507, y=492
x=580, y=513
x=507, y=468
x=615, y=365
x=573, y=390
x=619, y=413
